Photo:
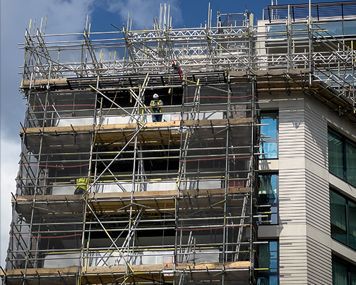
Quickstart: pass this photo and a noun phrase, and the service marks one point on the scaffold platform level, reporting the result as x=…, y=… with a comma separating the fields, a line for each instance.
x=238, y=271
x=59, y=206
x=119, y=128
x=339, y=96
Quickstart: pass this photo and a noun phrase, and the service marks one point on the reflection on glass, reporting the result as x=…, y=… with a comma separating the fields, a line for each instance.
x=267, y=262
x=269, y=136
x=350, y=163
x=342, y=157
x=344, y=273
x=335, y=155
x=268, y=197
x=343, y=219
x=300, y=30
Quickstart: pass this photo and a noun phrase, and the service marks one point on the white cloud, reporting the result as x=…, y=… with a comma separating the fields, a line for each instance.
x=142, y=11
x=63, y=16
x=9, y=166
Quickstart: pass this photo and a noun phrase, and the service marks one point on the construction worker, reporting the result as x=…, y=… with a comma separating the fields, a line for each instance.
x=177, y=68
x=156, y=108
x=81, y=185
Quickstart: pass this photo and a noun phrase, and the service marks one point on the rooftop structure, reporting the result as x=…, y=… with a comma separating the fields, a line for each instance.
x=213, y=186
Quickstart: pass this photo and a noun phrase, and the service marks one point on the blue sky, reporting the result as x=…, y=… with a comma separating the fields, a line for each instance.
x=69, y=16
x=193, y=12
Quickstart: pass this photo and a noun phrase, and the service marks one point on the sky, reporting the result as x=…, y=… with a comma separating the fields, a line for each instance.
x=69, y=16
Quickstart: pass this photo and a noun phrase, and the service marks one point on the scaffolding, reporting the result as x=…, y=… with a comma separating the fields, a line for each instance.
x=168, y=202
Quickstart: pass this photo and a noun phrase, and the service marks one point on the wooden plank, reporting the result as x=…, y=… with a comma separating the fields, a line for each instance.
x=270, y=72
x=43, y=82
x=136, y=195
x=110, y=271
x=127, y=195
x=212, y=192
x=156, y=268
x=114, y=201
x=146, y=136
x=132, y=127
x=49, y=198
x=43, y=271
x=216, y=122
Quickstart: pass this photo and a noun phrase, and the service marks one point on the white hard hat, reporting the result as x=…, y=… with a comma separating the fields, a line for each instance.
x=155, y=96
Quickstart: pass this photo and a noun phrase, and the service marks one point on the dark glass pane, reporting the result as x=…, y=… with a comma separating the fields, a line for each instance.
x=273, y=280
x=273, y=252
x=268, y=195
x=268, y=260
x=335, y=155
x=269, y=136
x=263, y=256
x=338, y=217
x=353, y=277
x=352, y=224
x=262, y=281
x=351, y=164
x=339, y=273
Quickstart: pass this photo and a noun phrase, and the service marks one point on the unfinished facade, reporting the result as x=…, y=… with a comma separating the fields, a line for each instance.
x=231, y=185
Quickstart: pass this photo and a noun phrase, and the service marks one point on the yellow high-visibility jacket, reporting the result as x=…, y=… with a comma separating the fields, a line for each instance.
x=156, y=106
x=82, y=183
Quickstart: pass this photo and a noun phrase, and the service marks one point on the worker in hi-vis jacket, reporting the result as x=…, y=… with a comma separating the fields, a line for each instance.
x=81, y=185
x=156, y=108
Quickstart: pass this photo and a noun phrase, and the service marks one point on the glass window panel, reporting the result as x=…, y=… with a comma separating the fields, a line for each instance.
x=335, y=155
x=262, y=281
x=273, y=280
x=339, y=274
x=263, y=256
x=269, y=149
x=350, y=163
x=273, y=264
x=331, y=28
x=349, y=27
x=276, y=31
x=353, y=278
x=268, y=186
x=269, y=136
x=268, y=259
x=338, y=217
x=268, y=195
x=273, y=254
x=299, y=30
x=344, y=273
x=352, y=224
x=273, y=245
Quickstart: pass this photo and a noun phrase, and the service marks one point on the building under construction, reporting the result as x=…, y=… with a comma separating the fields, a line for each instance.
x=245, y=175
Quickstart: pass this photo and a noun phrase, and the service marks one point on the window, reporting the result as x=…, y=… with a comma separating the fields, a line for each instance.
x=267, y=263
x=267, y=198
x=344, y=273
x=343, y=219
x=269, y=135
x=342, y=157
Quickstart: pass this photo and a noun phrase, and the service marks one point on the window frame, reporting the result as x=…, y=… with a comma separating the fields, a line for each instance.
x=350, y=269
x=275, y=115
x=347, y=219
x=270, y=173
x=344, y=143
x=269, y=273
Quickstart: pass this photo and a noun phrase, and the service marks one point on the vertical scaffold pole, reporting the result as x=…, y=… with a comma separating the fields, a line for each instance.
x=310, y=42
x=253, y=167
